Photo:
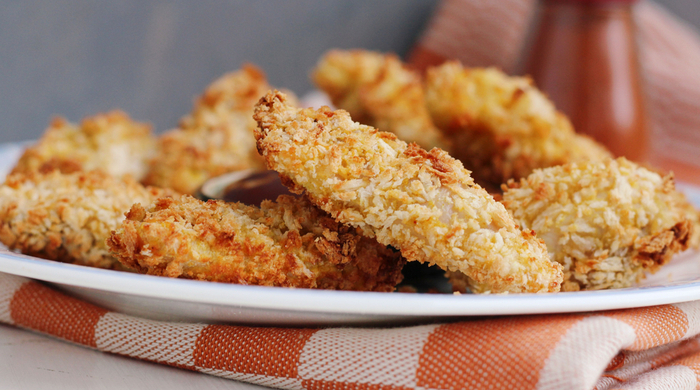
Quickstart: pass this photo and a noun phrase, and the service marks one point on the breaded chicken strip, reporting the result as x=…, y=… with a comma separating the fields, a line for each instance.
x=380, y=91
x=423, y=203
x=606, y=222
x=687, y=210
x=111, y=142
x=216, y=138
x=502, y=126
x=288, y=243
x=67, y=217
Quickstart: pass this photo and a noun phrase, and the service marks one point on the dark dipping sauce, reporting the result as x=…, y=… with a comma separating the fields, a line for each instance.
x=253, y=189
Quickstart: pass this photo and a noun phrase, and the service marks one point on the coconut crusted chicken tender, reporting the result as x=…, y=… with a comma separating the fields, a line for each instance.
x=288, y=243
x=605, y=222
x=112, y=142
x=423, y=203
x=379, y=90
x=216, y=138
x=690, y=212
x=504, y=127
x=67, y=217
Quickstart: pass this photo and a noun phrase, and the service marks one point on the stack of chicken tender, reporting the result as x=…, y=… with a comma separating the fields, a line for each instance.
x=398, y=173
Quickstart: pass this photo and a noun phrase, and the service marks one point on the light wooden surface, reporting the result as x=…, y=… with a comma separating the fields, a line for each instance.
x=32, y=361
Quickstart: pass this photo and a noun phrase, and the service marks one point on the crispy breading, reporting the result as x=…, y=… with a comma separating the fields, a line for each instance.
x=606, y=222
x=687, y=210
x=288, y=243
x=423, y=203
x=111, y=141
x=502, y=127
x=67, y=217
x=380, y=91
x=216, y=138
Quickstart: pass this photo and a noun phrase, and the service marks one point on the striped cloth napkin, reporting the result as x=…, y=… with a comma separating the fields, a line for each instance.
x=492, y=33
x=646, y=348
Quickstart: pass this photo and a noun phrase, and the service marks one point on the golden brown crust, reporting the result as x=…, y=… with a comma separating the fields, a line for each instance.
x=656, y=250
x=380, y=91
x=67, y=217
x=216, y=138
x=692, y=214
x=111, y=142
x=502, y=126
x=288, y=243
x=605, y=222
x=423, y=203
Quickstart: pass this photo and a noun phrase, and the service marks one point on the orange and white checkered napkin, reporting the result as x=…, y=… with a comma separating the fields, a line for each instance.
x=492, y=33
x=648, y=348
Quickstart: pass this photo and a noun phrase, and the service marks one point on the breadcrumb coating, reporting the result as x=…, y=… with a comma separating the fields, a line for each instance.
x=687, y=210
x=288, y=243
x=606, y=222
x=380, y=91
x=111, y=142
x=502, y=127
x=67, y=217
x=216, y=138
x=423, y=203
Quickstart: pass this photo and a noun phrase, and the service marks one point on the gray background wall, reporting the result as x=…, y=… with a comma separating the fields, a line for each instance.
x=151, y=58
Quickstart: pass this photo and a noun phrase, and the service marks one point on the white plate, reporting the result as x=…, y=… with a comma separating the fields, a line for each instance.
x=195, y=301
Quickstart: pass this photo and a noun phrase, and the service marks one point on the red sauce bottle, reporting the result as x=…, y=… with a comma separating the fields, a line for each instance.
x=584, y=56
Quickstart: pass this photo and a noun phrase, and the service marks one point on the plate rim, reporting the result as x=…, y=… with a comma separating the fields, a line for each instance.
x=342, y=302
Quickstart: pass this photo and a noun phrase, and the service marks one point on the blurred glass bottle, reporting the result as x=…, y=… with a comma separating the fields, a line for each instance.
x=584, y=56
